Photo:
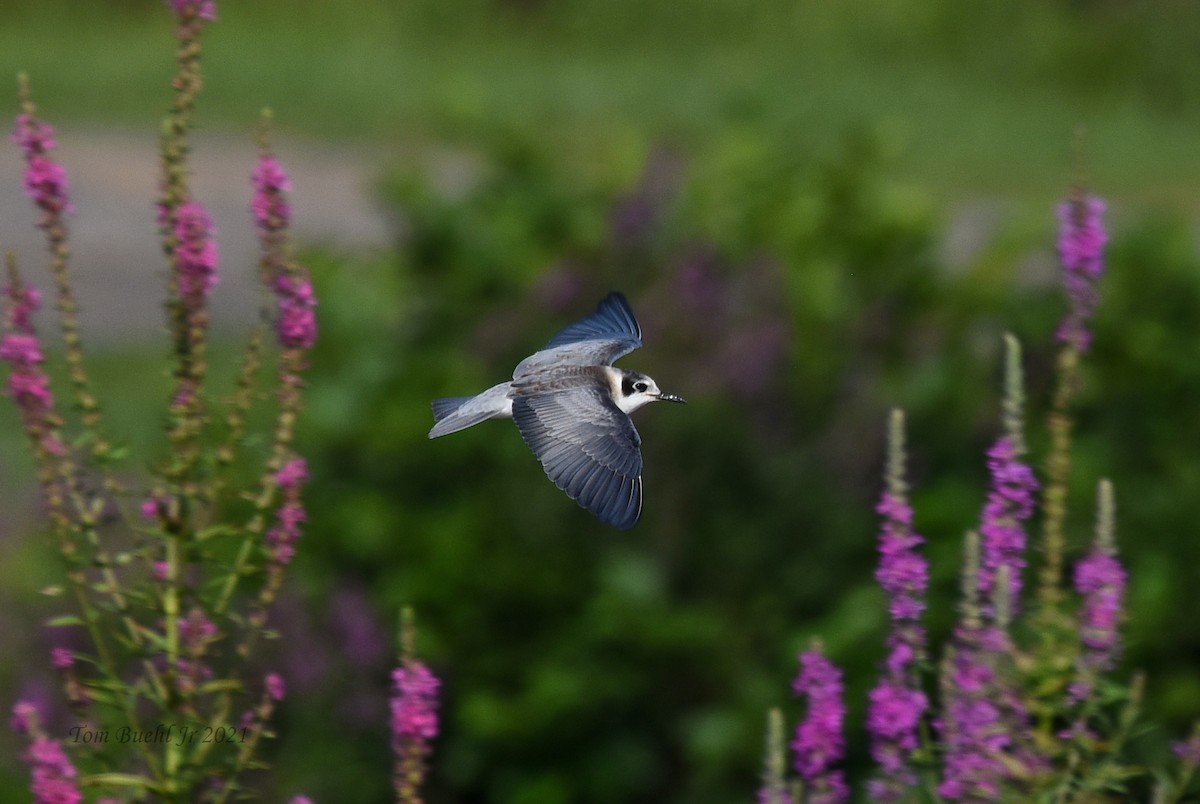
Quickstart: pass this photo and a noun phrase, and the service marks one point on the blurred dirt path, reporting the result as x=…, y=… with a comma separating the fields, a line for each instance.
x=118, y=266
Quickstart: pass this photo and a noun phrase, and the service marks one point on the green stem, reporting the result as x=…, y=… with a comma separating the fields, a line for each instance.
x=1058, y=469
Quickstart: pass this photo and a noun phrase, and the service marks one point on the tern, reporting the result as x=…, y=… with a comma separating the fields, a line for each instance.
x=572, y=408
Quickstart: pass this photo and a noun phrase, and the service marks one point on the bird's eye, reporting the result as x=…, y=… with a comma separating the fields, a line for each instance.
x=640, y=387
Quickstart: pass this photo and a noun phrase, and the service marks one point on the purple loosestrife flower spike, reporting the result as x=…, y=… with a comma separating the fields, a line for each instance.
x=188, y=10
x=45, y=179
x=414, y=716
x=24, y=717
x=271, y=181
x=819, y=742
x=196, y=252
x=1100, y=578
x=296, y=321
x=281, y=539
x=984, y=723
x=897, y=702
x=969, y=725
x=46, y=184
x=27, y=381
x=1081, y=243
x=53, y=775
x=971, y=729
x=1009, y=504
x=414, y=705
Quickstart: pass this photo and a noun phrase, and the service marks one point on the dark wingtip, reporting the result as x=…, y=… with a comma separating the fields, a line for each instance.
x=622, y=521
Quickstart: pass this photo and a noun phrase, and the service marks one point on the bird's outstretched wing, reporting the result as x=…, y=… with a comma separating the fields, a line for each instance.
x=610, y=332
x=588, y=447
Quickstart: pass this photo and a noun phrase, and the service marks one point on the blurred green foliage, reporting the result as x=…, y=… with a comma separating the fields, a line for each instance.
x=793, y=301
x=826, y=231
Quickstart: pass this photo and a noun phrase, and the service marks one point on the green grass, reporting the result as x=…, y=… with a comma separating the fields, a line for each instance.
x=971, y=102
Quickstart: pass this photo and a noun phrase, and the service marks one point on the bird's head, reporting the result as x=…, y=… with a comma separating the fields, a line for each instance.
x=639, y=389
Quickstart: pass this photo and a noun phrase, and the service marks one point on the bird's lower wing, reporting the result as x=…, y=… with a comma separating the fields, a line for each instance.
x=589, y=449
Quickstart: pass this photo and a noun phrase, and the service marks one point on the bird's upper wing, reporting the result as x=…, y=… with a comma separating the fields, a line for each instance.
x=610, y=332
x=588, y=447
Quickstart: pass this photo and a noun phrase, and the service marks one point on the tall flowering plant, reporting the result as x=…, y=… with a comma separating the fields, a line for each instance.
x=897, y=703
x=414, y=706
x=1010, y=713
x=171, y=578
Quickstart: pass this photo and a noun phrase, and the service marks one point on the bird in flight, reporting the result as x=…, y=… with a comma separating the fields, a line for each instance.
x=572, y=408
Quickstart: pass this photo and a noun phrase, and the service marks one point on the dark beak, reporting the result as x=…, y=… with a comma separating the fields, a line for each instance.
x=671, y=398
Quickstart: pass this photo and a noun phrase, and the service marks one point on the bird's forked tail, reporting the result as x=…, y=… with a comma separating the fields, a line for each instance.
x=456, y=413
x=448, y=405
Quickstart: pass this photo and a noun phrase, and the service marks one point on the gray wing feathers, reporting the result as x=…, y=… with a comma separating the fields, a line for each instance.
x=613, y=320
x=589, y=449
x=610, y=332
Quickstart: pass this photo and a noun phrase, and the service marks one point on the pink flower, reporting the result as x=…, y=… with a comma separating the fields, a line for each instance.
x=414, y=702
x=46, y=184
x=414, y=724
x=196, y=250
x=897, y=704
x=45, y=179
x=293, y=473
x=53, y=774
x=21, y=349
x=27, y=382
x=24, y=716
x=1009, y=504
x=62, y=658
x=819, y=742
x=1100, y=578
x=985, y=727
x=196, y=630
x=274, y=686
x=1081, y=252
x=34, y=136
x=25, y=303
x=149, y=509
x=904, y=575
x=971, y=724
x=271, y=181
x=282, y=538
x=893, y=720
x=297, y=322
x=31, y=388
x=194, y=9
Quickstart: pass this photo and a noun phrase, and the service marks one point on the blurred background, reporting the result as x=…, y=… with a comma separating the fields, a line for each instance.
x=819, y=210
